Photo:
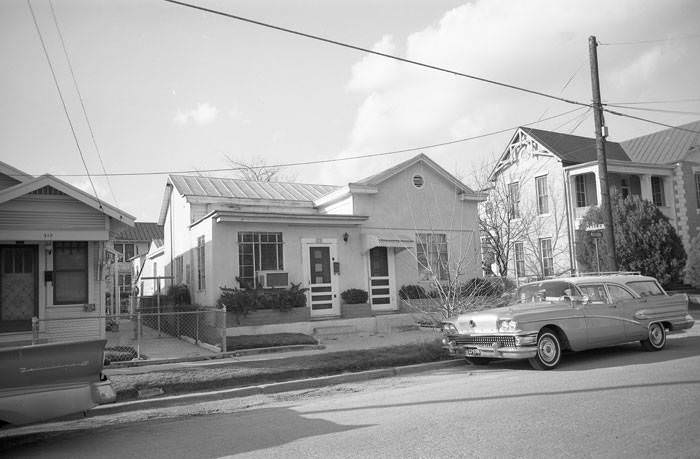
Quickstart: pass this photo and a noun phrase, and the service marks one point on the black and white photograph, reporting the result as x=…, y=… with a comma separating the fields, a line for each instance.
x=349, y=228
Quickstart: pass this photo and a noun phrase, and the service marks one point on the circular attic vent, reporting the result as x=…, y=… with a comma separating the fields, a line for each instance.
x=418, y=181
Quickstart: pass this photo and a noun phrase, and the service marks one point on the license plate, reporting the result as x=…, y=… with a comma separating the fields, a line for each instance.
x=471, y=352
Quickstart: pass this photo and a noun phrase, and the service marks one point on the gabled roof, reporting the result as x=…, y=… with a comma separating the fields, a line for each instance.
x=574, y=149
x=216, y=187
x=376, y=179
x=664, y=147
x=142, y=231
x=15, y=173
x=47, y=180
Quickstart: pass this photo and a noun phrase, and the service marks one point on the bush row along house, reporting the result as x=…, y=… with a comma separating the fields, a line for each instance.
x=53, y=258
x=549, y=180
x=410, y=224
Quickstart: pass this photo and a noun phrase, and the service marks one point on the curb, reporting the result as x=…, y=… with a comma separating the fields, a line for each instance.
x=270, y=388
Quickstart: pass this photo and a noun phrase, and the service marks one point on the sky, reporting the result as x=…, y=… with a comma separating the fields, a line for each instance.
x=169, y=88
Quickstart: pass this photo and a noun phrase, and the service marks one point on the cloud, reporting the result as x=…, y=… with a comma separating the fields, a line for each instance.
x=203, y=114
x=538, y=44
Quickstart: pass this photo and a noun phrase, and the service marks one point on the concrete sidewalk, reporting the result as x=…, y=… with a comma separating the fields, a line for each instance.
x=327, y=344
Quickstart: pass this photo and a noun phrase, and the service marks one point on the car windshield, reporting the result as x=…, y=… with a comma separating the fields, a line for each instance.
x=646, y=288
x=544, y=291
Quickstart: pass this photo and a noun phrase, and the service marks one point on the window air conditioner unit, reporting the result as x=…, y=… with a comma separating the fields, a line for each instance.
x=273, y=279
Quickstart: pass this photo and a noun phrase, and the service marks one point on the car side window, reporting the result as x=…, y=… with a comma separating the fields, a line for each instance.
x=595, y=292
x=618, y=293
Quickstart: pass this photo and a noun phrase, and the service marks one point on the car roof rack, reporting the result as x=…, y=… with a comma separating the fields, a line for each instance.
x=607, y=273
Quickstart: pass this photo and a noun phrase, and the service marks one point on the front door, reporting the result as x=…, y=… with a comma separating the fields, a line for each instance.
x=322, y=281
x=18, y=287
x=381, y=279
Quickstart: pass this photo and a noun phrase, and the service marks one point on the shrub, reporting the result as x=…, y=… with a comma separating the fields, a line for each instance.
x=692, y=267
x=240, y=302
x=412, y=292
x=645, y=241
x=354, y=296
x=179, y=294
x=480, y=286
x=293, y=297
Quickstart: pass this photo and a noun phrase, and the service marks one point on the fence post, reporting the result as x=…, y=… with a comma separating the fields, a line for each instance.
x=35, y=329
x=223, y=328
x=158, y=303
x=197, y=338
x=138, y=334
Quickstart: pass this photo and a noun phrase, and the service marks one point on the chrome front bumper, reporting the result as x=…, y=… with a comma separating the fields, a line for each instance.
x=525, y=348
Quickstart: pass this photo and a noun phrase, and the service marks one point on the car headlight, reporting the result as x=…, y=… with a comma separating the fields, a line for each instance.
x=449, y=328
x=507, y=326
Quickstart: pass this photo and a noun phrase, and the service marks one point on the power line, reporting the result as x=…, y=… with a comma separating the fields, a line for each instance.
x=332, y=160
x=627, y=115
x=671, y=101
x=376, y=53
x=82, y=103
x=63, y=102
x=660, y=40
x=659, y=110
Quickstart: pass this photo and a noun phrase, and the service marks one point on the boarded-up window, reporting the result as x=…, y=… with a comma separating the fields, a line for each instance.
x=70, y=272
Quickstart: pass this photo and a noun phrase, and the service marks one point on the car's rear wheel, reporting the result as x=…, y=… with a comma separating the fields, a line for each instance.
x=480, y=361
x=548, y=351
x=656, y=339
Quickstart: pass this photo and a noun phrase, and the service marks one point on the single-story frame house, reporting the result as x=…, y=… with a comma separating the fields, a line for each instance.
x=52, y=258
x=408, y=225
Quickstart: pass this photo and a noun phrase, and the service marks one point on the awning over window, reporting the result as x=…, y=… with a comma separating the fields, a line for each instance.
x=388, y=238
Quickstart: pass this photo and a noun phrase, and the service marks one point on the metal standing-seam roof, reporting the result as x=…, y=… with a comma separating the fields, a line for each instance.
x=142, y=231
x=575, y=149
x=664, y=147
x=216, y=187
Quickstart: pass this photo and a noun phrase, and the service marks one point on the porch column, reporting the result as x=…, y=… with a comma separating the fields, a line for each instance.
x=645, y=182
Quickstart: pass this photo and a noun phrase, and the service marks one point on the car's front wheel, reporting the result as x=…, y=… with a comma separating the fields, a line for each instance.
x=548, y=351
x=656, y=339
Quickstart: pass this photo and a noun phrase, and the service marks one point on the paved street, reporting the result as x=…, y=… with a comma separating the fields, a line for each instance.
x=615, y=402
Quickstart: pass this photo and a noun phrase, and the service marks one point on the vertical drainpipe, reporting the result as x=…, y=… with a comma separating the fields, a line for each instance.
x=569, y=223
x=172, y=211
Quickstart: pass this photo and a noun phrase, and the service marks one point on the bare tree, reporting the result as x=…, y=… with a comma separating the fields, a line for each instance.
x=255, y=169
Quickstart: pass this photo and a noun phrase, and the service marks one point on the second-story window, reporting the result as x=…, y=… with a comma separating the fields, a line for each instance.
x=514, y=200
x=657, y=191
x=519, y=259
x=580, y=183
x=542, y=195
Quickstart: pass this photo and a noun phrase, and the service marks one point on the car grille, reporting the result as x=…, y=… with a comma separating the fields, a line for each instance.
x=485, y=340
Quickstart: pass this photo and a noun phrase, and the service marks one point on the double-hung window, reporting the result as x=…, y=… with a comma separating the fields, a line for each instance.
x=580, y=183
x=70, y=272
x=542, y=195
x=431, y=252
x=258, y=251
x=657, y=191
x=126, y=249
x=547, y=259
x=519, y=259
x=514, y=200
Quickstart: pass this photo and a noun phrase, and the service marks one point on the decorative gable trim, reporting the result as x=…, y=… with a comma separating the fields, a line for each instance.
x=522, y=146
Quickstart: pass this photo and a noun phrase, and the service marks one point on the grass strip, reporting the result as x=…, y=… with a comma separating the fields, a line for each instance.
x=231, y=374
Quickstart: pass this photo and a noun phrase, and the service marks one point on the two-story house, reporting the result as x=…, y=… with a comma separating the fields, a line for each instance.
x=551, y=180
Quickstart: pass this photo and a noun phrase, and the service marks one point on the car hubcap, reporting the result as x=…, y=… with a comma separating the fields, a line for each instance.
x=548, y=349
x=656, y=335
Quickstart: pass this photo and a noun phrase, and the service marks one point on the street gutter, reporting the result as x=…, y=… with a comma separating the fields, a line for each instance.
x=271, y=388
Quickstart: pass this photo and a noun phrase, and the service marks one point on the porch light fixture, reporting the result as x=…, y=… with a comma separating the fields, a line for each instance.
x=48, y=248
x=346, y=236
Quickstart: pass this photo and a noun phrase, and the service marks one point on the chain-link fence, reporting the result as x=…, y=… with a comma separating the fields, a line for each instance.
x=170, y=333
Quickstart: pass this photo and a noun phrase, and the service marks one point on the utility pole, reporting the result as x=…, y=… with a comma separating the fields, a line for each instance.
x=600, y=134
